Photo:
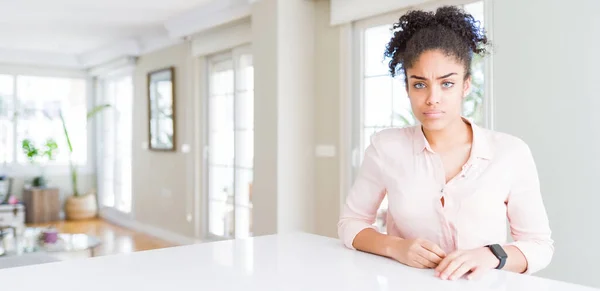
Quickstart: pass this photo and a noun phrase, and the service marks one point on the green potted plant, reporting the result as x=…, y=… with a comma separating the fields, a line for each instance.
x=80, y=205
x=38, y=156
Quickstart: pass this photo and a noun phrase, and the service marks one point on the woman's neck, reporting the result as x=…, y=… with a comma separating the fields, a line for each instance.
x=456, y=133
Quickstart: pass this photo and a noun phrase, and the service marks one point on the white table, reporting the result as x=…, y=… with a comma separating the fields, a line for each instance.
x=280, y=262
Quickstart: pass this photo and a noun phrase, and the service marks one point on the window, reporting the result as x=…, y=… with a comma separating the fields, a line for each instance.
x=230, y=128
x=7, y=100
x=30, y=108
x=382, y=100
x=115, y=134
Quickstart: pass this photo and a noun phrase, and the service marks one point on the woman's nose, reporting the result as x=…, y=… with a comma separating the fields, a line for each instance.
x=434, y=97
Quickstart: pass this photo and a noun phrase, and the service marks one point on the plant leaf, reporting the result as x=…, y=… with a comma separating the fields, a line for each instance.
x=62, y=119
x=96, y=110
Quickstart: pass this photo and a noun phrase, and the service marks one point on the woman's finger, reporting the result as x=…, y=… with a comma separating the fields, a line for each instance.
x=425, y=261
x=433, y=248
x=432, y=257
x=418, y=263
x=429, y=256
x=463, y=269
x=445, y=262
x=452, y=266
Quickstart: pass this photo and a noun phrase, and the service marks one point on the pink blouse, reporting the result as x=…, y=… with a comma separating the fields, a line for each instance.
x=498, y=184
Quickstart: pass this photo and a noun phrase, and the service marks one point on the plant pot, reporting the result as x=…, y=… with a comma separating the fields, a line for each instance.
x=81, y=207
x=39, y=182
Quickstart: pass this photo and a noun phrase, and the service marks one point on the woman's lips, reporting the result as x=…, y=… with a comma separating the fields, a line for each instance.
x=433, y=114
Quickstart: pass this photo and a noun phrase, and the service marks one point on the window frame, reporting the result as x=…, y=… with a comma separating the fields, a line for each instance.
x=232, y=55
x=19, y=170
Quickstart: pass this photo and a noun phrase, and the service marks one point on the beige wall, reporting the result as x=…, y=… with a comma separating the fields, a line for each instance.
x=157, y=174
x=163, y=181
x=264, y=46
x=327, y=121
x=284, y=45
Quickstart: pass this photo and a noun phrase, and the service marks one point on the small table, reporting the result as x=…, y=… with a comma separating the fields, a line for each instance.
x=29, y=242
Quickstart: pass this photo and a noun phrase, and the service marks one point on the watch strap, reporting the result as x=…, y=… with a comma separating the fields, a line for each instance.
x=497, y=250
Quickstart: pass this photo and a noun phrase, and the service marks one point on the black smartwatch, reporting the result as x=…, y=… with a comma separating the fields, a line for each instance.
x=499, y=252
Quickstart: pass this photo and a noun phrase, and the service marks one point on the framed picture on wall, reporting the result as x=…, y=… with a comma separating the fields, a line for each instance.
x=161, y=109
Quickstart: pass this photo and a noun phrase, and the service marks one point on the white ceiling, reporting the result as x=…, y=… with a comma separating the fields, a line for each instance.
x=76, y=27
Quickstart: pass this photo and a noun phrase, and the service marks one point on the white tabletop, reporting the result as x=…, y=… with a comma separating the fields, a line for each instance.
x=278, y=262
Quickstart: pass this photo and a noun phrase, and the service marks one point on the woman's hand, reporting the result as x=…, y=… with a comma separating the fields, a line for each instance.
x=459, y=263
x=417, y=253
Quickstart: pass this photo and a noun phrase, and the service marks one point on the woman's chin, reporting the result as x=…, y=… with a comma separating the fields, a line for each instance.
x=433, y=124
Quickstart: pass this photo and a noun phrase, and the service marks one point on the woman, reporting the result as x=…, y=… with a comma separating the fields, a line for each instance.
x=451, y=185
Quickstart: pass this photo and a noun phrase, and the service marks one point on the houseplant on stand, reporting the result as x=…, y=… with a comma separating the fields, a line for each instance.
x=80, y=205
x=38, y=157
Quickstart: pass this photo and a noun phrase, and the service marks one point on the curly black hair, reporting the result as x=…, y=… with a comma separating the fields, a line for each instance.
x=449, y=29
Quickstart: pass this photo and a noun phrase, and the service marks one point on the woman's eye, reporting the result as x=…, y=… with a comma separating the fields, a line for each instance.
x=447, y=84
x=419, y=85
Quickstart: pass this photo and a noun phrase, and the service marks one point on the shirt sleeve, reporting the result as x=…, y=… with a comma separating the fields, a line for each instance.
x=527, y=215
x=364, y=198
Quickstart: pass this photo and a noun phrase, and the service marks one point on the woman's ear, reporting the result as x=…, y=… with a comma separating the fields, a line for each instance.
x=467, y=87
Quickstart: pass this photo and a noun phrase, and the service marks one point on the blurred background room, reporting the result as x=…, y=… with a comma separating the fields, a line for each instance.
x=136, y=125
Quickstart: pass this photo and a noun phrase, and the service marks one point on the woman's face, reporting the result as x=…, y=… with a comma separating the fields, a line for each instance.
x=436, y=87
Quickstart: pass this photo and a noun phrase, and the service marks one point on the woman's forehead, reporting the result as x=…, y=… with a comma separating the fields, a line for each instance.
x=436, y=63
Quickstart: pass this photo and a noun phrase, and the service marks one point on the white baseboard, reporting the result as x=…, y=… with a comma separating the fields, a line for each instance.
x=127, y=222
